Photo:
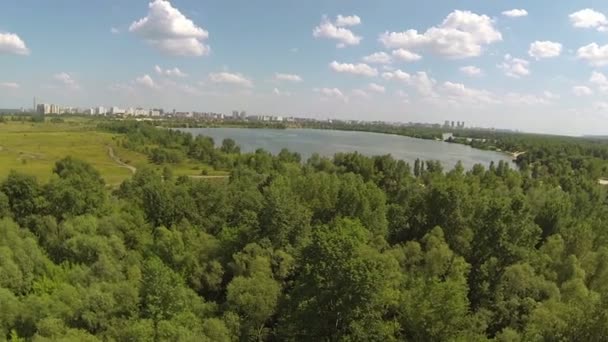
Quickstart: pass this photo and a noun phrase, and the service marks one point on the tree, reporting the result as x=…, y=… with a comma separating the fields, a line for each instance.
x=230, y=146
x=79, y=189
x=24, y=195
x=344, y=288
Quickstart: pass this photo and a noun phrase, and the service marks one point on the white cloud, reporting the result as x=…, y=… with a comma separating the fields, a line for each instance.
x=175, y=72
x=360, y=93
x=66, y=80
x=121, y=88
x=378, y=58
x=471, y=70
x=398, y=75
x=287, y=77
x=515, y=67
x=582, y=91
x=146, y=81
x=515, y=13
x=423, y=84
x=600, y=81
x=461, y=34
x=551, y=96
x=329, y=30
x=114, y=30
x=168, y=30
x=406, y=55
x=9, y=85
x=589, y=18
x=11, y=43
x=230, y=78
x=352, y=20
x=516, y=99
x=355, y=69
x=545, y=49
x=376, y=88
x=278, y=92
x=601, y=106
x=458, y=92
x=331, y=93
x=594, y=54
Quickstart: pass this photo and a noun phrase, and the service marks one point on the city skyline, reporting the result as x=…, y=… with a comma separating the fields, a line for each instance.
x=535, y=67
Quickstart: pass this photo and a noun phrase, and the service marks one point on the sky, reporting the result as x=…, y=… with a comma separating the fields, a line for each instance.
x=538, y=66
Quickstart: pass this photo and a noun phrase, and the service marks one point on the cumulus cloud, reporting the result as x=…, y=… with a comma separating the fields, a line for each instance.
x=9, y=85
x=327, y=93
x=544, y=49
x=589, y=18
x=424, y=84
x=515, y=67
x=66, y=80
x=175, y=72
x=287, y=77
x=594, y=54
x=279, y=92
x=582, y=91
x=376, y=88
x=461, y=34
x=168, y=30
x=471, y=70
x=397, y=75
x=517, y=99
x=361, y=69
x=330, y=30
x=360, y=93
x=230, y=78
x=351, y=20
x=10, y=43
x=600, y=81
x=406, y=55
x=378, y=58
x=146, y=81
x=420, y=81
x=515, y=13
x=458, y=92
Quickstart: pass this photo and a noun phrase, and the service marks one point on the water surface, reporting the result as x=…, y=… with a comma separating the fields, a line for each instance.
x=328, y=142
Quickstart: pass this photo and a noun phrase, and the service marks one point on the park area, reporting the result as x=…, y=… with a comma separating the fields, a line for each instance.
x=34, y=147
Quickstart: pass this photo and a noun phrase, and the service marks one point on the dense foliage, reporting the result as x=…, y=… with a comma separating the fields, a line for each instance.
x=345, y=249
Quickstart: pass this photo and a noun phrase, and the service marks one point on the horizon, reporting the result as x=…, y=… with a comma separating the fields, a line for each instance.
x=536, y=68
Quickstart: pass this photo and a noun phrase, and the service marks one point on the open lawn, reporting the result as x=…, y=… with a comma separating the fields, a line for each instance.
x=33, y=148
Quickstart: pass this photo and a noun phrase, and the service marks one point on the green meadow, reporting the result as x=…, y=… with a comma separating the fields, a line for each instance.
x=34, y=147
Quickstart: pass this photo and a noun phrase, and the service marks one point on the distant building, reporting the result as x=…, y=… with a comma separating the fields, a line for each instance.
x=116, y=111
x=101, y=110
x=141, y=112
x=44, y=108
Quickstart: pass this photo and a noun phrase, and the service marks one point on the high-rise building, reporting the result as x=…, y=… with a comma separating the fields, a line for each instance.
x=43, y=108
x=235, y=114
x=452, y=124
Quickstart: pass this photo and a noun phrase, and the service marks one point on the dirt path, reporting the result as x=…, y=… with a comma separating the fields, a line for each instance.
x=120, y=163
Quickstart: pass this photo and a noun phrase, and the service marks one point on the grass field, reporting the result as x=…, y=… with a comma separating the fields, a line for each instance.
x=33, y=148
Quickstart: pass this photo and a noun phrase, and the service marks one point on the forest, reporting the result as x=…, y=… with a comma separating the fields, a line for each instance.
x=349, y=248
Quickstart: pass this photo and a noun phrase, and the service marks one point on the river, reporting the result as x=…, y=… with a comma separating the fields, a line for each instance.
x=328, y=142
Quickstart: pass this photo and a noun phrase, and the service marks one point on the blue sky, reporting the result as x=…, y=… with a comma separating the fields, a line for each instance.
x=530, y=65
